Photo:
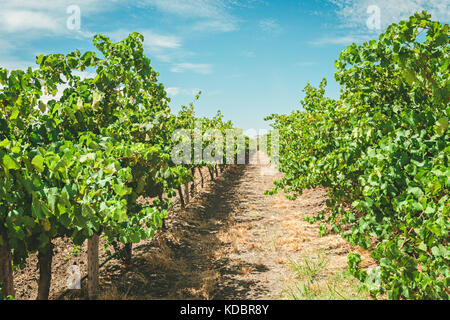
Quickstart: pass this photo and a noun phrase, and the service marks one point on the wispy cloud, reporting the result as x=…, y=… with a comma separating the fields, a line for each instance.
x=340, y=40
x=193, y=67
x=152, y=40
x=173, y=91
x=215, y=25
x=209, y=15
x=353, y=17
x=353, y=13
x=35, y=19
x=32, y=16
x=22, y=20
x=193, y=8
x=176, y=91
x=270, y=26
x=15, y=64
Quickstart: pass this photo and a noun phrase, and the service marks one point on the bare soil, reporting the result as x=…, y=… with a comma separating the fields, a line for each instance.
x=230, y=242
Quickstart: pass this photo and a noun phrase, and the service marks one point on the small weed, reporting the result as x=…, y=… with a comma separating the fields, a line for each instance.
x=314, y=283
x=311, y=269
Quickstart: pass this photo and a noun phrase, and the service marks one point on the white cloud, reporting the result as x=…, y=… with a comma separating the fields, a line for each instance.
x=17, y=21
x=35, y=19
x=197, y=68
x=176, y=91
x=152, y=40
x=14, y=64
x=160, y=41
x=51, y=5
x=340, y=40
x=173, y=91
x=215, y=25
x=164, y=47
x=18, y=16
x=51, y=15
x=193, y=8
x=270, y=26
x=209, y=15
x=353, y=13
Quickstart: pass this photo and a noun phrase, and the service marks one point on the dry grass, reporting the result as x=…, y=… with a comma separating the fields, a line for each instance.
x=246, y=270
x=280, y=206
x=236, y=234
x=220, y=253
x=254, y=246
x=112, y=293
x=159, y=261
x=316, y=280
x=208, y=280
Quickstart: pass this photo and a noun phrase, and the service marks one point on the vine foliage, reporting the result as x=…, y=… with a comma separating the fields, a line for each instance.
x=382, y=151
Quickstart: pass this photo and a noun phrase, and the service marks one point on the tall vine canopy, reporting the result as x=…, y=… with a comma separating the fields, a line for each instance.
x=77, y=151
x=382, y=151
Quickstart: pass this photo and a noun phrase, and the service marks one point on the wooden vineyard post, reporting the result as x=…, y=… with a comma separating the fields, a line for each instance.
x=186, y=192
x=211, y=173
x=181, y=197
x=45, y=258
x=6, y=272
x=201, y=177
x=193, y=185
x=217, y=170
x=92, y=284
x=128, y=254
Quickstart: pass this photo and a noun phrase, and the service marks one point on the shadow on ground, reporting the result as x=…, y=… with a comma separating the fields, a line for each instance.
x=187, y=260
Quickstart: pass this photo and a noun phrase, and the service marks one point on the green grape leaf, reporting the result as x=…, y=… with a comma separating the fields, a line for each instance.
x=10, y=163
x=38, y=163
x=441, y=126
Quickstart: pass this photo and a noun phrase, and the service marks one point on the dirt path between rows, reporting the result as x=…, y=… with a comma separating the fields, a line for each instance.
x=231, y=242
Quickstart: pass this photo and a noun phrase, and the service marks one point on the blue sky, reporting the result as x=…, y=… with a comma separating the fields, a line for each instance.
x=249, y=58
